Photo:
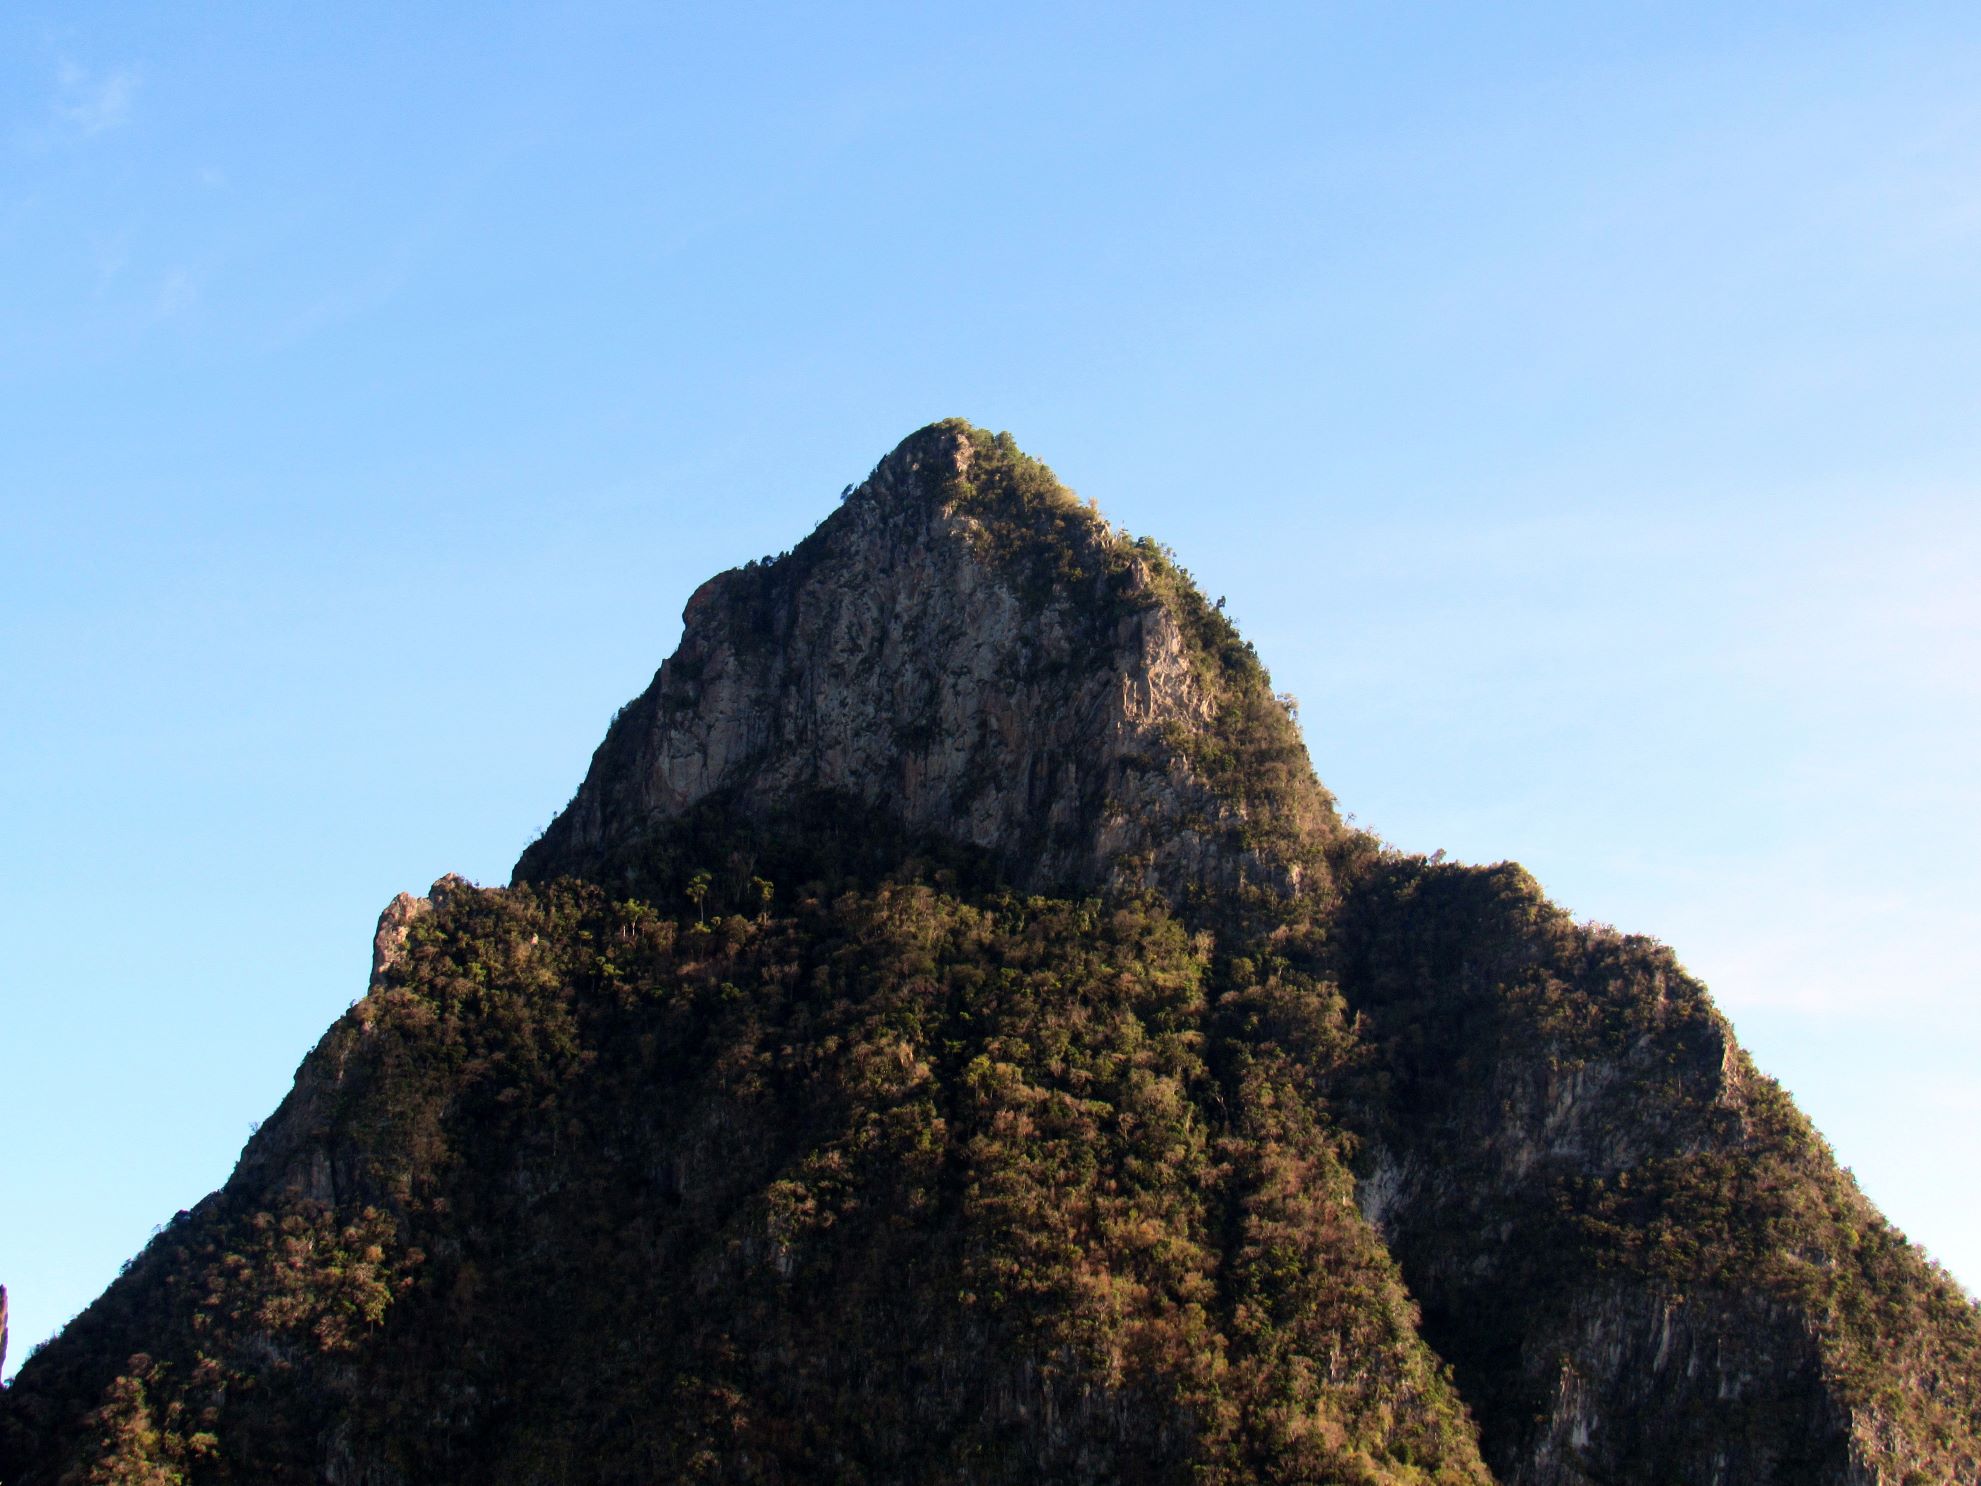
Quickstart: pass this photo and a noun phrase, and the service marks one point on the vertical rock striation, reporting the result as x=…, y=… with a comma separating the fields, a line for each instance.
x=1641, y=1261
x=969, y=653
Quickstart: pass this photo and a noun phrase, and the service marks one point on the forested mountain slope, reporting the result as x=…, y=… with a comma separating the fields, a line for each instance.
x=952, y=1036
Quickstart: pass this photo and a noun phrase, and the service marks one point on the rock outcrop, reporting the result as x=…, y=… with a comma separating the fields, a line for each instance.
x=388, y=943
x=970, y=654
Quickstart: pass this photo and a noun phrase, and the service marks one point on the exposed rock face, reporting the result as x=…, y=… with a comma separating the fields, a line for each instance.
x=1501, y=1114
x=1179, y=1134
x=388, y=944
x=1641, y=1262
x=908, y=657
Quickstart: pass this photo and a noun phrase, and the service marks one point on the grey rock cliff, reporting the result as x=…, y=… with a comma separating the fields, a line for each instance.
x=900, y=659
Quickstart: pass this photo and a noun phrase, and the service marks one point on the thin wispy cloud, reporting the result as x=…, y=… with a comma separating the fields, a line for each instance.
x=177, y=293
x=111, y=253
x=92, y=103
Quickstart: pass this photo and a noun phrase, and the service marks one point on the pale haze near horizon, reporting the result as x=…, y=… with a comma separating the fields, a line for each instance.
x=1577, y=409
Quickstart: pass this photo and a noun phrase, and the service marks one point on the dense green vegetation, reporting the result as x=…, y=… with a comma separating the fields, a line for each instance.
x=892, y=1186
x=912, y=1183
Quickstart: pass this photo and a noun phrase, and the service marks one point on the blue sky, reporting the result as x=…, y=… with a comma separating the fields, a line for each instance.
x=1578, y=406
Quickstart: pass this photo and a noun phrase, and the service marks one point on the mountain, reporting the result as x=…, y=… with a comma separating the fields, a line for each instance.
x=951, y=1035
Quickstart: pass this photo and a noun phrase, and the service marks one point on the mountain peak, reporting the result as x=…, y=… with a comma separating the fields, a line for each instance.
x=942, y=450
x=1397, y=1176
x=964, y=658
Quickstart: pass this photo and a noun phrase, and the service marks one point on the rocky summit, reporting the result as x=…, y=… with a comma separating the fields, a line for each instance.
x=951, y=1036
x=965, y=653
